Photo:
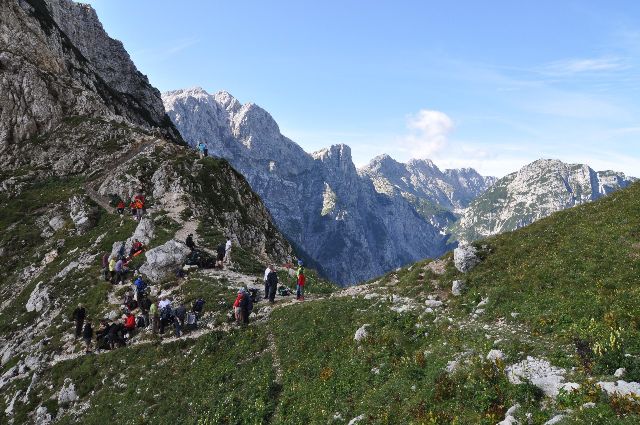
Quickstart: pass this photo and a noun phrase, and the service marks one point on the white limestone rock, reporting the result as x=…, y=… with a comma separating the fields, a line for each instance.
x=67, y=394
x=361, y=333
x=38, y=299
x=464, y=258
x=457, y=287
x=164, y=259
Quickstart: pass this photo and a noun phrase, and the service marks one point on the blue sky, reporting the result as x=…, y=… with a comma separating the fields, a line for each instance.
x=491, y=85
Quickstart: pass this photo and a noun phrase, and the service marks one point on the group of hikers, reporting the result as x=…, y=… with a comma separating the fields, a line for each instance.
x=243, y=304
x=139, y=311
x=137, y=206
x=116, y=267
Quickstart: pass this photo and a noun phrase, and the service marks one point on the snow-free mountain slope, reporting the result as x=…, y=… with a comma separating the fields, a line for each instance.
x=535, y=191
x=343, y=219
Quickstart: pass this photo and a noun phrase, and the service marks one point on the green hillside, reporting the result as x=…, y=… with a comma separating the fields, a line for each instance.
x=563, y=289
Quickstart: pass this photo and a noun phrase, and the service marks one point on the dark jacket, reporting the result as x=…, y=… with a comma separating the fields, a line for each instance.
x=272, y=279
x=87, y=332
x=180, y=312
x=79, y=314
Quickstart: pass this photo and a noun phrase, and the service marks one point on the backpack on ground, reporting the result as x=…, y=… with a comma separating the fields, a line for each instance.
x=191, y=320
x=283, y=291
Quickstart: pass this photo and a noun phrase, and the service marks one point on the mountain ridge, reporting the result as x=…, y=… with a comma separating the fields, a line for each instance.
x=315, y=209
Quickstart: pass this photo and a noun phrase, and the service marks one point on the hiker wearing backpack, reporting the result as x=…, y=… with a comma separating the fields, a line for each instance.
x=246, y=306
x=272, y=283
x=266, y=285
x=180, y=314
x=155, y=317
x=202, y=148
x=129, y=323
x=190, y=243
x=301, y=281
x=220, y=250
x=166, y=316
x=78, y=316
x=120, y=207
x=140, y=287
x=119, y=269
x=112, y=269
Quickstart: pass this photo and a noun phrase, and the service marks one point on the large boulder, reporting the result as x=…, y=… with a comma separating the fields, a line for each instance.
x=465, y=258
x=82, y=214
x=38, y=299
x=144, y=233
x=67, y=394
x=164, y=259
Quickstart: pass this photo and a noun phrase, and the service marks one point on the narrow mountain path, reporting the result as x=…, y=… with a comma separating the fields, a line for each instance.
x=98, y=176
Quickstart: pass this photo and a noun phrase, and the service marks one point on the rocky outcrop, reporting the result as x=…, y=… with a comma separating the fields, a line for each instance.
x=52, y=69
x=164, y=259
x=82, y=214
x=465, y=258
x=332, y=213
x=534, y=192
x=422, y=180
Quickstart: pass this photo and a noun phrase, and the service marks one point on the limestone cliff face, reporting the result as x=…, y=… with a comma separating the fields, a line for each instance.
x=326, y=207
x=535, y=191
x=56, y=61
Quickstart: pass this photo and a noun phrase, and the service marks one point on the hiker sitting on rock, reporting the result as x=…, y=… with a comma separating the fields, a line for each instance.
x=120, y=207
x=136, y=248
x=78, y=316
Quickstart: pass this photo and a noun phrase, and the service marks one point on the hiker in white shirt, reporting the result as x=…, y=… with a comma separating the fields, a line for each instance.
x=227, y=255
x=266, y=288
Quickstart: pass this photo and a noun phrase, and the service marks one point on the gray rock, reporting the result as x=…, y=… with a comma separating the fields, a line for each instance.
x=81, y=213
x=67, y=394
x=57, y=222
x=38, y=299
x=164, y=259
x=457, y=287
x=535, y=191
x=620, y=372
x=319, y=198
x=464, y=258
x=361, y=333
x=43, y=417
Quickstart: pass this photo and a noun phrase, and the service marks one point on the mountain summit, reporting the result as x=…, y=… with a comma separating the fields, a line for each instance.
x=342, y=218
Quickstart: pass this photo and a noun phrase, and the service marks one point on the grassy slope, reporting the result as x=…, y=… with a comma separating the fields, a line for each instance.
x=570, y=277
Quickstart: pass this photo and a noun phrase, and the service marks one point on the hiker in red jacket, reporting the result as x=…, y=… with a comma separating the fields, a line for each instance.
x=120, y=207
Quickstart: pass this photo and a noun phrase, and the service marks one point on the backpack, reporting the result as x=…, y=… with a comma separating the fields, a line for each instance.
x=283, y=291
x=198, y=305
x=140, y=322
x=249, y=303
x=166, y=313
x=191, y=318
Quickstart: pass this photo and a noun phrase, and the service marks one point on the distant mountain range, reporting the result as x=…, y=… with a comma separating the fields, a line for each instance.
x=354, y=224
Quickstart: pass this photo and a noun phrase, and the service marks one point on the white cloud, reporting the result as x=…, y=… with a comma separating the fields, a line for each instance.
x=576, y=66
x=429, y=131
